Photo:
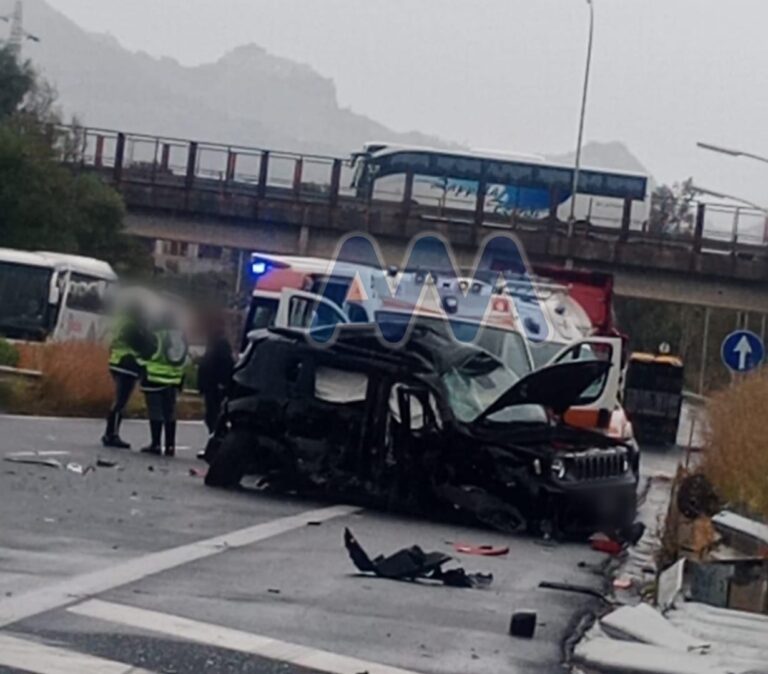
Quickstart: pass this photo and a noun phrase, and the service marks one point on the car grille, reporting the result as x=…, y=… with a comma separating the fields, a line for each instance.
x=597, y=465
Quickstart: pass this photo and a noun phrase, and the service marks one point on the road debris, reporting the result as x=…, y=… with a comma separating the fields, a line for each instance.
x=197, y=472
x=603, y=543
x=578, y=589
x=35, y=461
x=523, y=624
x=482, y=550
x=106, y=463
x=79, y=469
x=412, y=564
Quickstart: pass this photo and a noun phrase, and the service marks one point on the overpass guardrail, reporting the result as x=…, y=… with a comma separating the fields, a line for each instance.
x=182, y=165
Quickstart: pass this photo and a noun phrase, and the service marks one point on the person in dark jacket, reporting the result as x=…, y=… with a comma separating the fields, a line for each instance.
x=131, y=345
x=214, y=372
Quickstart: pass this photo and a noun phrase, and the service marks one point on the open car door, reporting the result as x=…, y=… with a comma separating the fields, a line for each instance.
x=603, y=397
x=301, y=310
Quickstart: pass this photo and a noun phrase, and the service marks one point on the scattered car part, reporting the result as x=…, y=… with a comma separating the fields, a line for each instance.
x=413, y=564
x=482, y=550
x=105, y=463
x=578, y=589
x=35, y=461
x=523, y=624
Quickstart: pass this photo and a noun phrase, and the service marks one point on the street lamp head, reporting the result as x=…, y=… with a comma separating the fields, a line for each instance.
x=721, y=150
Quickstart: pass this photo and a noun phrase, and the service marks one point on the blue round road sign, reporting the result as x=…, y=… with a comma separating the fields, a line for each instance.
x=742, y=351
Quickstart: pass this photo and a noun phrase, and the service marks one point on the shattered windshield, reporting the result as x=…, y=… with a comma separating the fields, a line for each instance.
x=476, y=384
x=24, y=294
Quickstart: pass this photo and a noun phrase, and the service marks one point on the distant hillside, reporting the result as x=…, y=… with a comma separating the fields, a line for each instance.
x=248, y=96
x=611, y=156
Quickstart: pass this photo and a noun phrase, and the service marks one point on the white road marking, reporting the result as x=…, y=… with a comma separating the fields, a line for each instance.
x=31, y=656
x=223, y=637
x=87, y=585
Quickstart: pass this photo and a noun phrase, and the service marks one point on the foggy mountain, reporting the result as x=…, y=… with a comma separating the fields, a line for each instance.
x=247, y=97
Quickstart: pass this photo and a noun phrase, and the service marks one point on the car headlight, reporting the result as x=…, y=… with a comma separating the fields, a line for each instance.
x=558, y=468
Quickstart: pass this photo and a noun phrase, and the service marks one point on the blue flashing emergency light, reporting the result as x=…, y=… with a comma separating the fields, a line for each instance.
x=259, y=267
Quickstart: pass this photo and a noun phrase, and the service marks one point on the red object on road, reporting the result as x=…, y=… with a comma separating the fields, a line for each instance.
x=196, y=472
x=484, y=550
x=602, y=543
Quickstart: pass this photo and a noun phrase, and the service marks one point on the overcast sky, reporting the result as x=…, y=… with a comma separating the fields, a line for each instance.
x=505, y=74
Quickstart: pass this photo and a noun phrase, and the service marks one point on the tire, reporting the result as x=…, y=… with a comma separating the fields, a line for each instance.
x=229, y=464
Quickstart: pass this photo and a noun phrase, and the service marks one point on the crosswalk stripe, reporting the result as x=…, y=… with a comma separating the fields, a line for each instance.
x=224, y=637
x=47, y=598
x=31, y=656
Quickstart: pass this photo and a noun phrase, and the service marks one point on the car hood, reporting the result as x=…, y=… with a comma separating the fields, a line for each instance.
x=557, y=387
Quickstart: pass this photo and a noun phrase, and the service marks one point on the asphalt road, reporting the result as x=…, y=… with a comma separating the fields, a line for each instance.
x=141, y=566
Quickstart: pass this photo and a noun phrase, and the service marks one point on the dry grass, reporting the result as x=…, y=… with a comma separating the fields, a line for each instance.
x=736, y=454
x=75, y=383
x=76, y=379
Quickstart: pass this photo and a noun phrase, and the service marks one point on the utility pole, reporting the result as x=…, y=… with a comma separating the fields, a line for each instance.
x=17, y=33
x=17, y=29
x=580, y=142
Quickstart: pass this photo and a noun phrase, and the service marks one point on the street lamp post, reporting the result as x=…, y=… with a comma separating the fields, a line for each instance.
x=731, y=153
x=748, y=155
x=577, y=167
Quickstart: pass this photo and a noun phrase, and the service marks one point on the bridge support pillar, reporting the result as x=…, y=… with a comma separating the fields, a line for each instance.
x=117, y=173
x=698, y=232
x=335, y=183
x=626, y=221
x=98, y=157
x=298, y=176
x=191, y=165
x=407, y=195
x=263, y=174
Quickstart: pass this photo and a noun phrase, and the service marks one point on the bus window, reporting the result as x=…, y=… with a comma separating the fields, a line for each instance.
x=86, y=294
x=24, y=309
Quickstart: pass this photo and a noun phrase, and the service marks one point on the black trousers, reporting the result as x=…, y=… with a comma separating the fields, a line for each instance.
x=213, y=400
x=161, y=404
x=124, y=385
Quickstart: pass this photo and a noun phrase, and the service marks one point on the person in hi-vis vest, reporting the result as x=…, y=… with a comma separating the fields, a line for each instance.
x=131, y=344
x=162, y=381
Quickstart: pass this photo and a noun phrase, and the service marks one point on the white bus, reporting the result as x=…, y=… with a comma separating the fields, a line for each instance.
x=53, y=297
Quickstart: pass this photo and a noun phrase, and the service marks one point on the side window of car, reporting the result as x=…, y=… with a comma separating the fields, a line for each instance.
x=299, y=377
x=589, y=352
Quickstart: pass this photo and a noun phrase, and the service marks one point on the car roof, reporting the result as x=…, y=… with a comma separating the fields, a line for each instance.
x=425, y=347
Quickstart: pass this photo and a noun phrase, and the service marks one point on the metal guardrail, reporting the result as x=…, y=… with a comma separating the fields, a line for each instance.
x=18, y=372
x=184, y=164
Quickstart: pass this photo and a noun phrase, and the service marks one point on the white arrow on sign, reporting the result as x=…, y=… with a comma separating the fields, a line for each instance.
x=744, y=349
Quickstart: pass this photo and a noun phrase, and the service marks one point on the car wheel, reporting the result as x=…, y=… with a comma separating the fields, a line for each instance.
x=229, y=464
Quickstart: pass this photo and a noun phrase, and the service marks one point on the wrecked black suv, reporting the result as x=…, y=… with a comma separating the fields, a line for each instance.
x=433, y=427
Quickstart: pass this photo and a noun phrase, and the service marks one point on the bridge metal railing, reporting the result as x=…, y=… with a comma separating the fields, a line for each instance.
x=182, y=164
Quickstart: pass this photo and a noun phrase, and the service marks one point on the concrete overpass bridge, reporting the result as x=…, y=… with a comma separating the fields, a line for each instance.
x=205, y=197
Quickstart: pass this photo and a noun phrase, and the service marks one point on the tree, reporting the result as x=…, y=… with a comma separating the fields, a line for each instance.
x=43, y=204
x=672, y=208
x=16, y=80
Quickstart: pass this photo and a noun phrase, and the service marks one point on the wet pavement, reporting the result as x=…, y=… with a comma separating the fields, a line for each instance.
x=142, y=566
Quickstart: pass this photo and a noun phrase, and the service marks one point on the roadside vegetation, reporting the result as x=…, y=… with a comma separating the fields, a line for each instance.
x=75, y=382
x=735, y=458
x=42, y=203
